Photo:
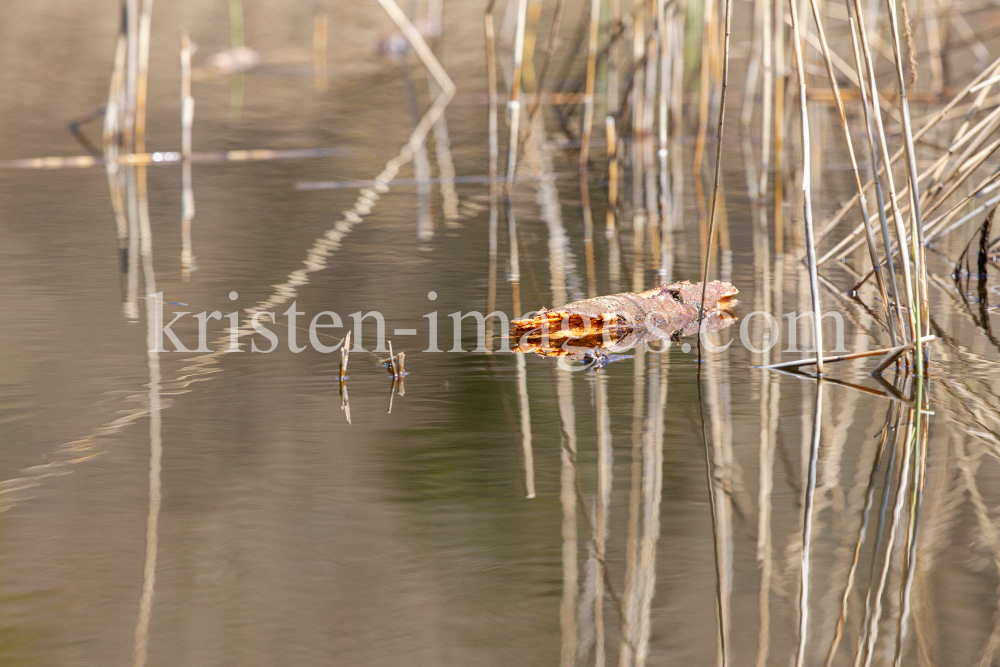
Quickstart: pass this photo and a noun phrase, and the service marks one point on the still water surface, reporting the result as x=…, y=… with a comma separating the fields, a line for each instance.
x=189, y=509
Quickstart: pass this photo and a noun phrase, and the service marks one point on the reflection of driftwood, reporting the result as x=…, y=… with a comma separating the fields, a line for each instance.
x=620, y=322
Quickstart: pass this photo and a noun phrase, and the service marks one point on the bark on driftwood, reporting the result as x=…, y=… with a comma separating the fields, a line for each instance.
x=612, y=324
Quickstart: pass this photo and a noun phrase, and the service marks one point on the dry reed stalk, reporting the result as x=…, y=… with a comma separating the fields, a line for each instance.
x=895, y=353
x=754, y=65
x=187, y=119
x=491, y=76
x=869, y=235
x=931, y=123
x=609, y=127
x=131, y=72
x=937, y=174
x=588, y=99
x=494, y=147
x=648, y=147
x=807, y=195
x=887, y=352
x=884, y=225
x=911, y=293
x=112, y=138
x=962, y=168
x=142, y=80
x=442, y=140
x=528, y=79
x=706, y=85
x=665, y=28
x=588, y=236
x=113, y=110
x=780, y=84
x=638, y=108
x=979, y=135
x=718, y=160
x=392, y=364
x=613, y=83
x=852, y=75
x=919, y=304
x=547, y=62
x=514, y=103
x=967, y=170
x=979, y=210
x=320, y=30
x=767, y=93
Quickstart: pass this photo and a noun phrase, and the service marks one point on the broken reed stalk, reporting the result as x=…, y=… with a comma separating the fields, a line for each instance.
x=588, y=95
x=892, y=352
x=718, y=163
x=187, y=119
x=514, y=103
x=895, y=353
x=320, y=39
x=862, y=200
x=807, y=190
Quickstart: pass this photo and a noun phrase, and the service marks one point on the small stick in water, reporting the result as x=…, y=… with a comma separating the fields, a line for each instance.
x=345, y=351
x=345, y=404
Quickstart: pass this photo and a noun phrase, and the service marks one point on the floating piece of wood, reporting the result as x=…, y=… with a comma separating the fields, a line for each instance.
x=607, y=325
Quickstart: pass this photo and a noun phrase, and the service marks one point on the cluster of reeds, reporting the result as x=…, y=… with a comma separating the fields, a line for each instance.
x=914, y=181
x=645, y=53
